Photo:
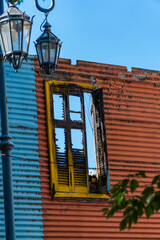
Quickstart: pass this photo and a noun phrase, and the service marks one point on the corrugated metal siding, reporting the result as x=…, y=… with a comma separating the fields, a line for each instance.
x=22, y=109
x=132, y=116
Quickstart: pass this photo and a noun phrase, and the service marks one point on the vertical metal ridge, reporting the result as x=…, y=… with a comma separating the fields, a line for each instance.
x=22, y=108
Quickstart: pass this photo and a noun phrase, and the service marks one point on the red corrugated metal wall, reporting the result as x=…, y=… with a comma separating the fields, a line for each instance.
x=132, y=117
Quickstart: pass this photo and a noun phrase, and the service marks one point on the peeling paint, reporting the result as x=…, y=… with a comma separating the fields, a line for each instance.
x=23, y=128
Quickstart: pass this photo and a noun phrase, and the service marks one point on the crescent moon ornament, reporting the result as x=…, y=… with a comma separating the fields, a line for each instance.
x=45, y=10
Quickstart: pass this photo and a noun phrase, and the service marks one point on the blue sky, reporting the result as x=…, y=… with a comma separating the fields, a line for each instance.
x=121, y=32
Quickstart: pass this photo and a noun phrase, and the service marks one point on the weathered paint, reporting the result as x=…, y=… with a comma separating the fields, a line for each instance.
x=22, y=112
x=52, y=148
x=132, y=110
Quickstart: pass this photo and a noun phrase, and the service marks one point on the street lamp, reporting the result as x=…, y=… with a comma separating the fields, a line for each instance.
x=15, y=30
x=48, y=46
x=48, y=49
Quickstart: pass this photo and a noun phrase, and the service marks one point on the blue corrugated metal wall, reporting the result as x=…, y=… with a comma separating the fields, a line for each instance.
x=22, y=109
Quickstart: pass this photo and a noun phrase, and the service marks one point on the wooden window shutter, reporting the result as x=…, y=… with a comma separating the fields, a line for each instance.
x=61, y=161
x=100, y=141
x=79, y=151
x=80, y=169
x=62, y=158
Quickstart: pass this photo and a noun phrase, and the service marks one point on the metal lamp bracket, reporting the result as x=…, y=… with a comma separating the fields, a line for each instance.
x=45, y=10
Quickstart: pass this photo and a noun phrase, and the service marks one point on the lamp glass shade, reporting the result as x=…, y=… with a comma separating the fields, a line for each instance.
x=52, y=52
x=16, y=32
x=26, y=35
x=6, y=38
x=58, y=53
x=39, y=53
x=45, y=52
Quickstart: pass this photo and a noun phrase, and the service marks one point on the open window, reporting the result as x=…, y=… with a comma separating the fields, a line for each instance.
x=77, y=141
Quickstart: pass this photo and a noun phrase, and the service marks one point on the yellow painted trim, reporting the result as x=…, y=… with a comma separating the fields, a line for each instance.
x=50, y=139
x=61, y=83
x=62, y=190
x=81, y=195
x=51, y=142
x=71, y=175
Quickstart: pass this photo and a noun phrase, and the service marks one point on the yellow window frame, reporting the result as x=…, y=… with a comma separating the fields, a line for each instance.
x=61, y=190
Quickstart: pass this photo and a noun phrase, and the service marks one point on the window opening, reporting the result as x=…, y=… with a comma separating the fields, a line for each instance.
x=60, y=139
x=79, y=154
x=92, y=171
x=89, y=134
x=75, y=108
x=77, y=139
x=58, y=106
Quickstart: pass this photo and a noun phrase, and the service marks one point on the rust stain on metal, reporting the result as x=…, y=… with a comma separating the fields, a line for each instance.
x=132, y=118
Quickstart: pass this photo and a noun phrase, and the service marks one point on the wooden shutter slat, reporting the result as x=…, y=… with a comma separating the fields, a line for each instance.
x=79, y=166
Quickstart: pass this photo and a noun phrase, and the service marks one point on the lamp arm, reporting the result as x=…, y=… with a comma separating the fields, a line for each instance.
x=45, y=10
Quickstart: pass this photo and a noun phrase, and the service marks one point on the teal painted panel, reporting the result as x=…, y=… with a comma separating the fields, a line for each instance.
x=22, y=113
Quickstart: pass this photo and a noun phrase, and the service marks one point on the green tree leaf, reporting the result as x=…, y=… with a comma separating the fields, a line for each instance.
x=149, y=211
x=158, y=184
x=134, y=207
x=128, y=210
x=123, y=224
x=129, y=221
x=125, y=182
x=133, y=185
x=142, y=174
x=105, y=209
x=149, y=198
x=111, y=212
x=135, y=216
x=140, y=210
x=147, y=191
x=156, y=179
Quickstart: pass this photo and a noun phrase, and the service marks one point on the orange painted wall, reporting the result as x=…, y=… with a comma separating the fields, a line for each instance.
x=132, y=118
